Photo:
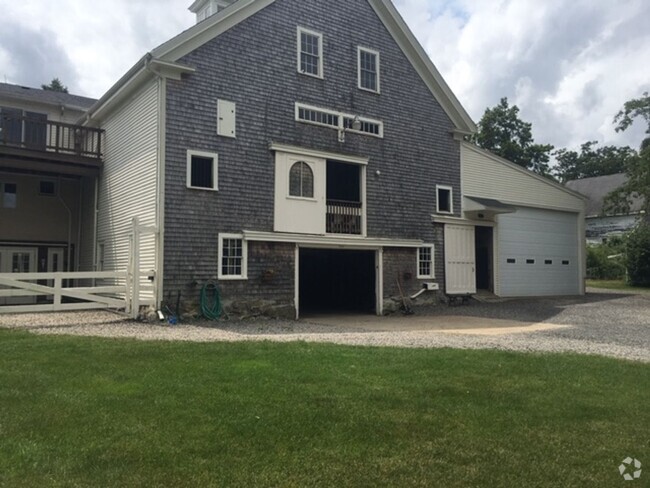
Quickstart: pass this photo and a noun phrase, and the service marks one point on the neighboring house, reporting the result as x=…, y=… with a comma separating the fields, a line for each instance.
x=602, y=224
x=48, y=168
x=309, y=157
x=296, y=152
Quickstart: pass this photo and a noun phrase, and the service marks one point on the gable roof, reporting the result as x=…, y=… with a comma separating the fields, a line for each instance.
x=597, y=188
x=215, y=25
x=46, y=97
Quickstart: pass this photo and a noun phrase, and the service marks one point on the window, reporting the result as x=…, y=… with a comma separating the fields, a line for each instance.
x=530, y=261
x=368, y=70
x=565, y=263
x=202, y=170
x=310, y=53
x=512, y=261
x=338, y=120
x=425, y=261
x=301, y=180
x=233, y=257
x=47, y=188
x=9, y=192
x=444, y=201
x=548, y=261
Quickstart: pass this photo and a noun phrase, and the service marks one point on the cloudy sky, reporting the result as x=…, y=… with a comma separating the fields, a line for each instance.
x=568, y=64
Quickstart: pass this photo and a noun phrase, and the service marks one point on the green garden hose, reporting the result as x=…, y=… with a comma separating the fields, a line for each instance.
x=211, y=301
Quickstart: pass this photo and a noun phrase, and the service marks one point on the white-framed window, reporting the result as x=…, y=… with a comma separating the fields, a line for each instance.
x=338, y=120
x=368, y=67
x=310, y=52
x=426, y=267
x=301, y=180
x=444, y=199
x=202, y=170
x=233, y=257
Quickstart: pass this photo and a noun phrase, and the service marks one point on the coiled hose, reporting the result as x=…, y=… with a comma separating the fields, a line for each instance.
x=211, y=301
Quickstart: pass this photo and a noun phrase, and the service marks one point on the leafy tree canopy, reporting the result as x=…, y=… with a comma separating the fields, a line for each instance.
x=502, y=132
x=592, y=161
x=55, y=85
x=637, y=169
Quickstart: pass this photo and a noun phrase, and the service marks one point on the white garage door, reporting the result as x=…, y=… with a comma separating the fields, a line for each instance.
x=538, y=253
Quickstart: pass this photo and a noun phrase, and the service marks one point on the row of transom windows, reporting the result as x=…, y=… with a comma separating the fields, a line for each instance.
x=310, y=60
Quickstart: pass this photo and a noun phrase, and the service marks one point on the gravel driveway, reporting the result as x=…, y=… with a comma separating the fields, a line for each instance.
x=603, y=323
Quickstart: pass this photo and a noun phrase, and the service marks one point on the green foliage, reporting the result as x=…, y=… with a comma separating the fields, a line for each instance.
x=502, y=132
x=638, y=256
x=599, y=266
x=637, y=169
x=118, y=413
x=56, y=86
x=592, y=161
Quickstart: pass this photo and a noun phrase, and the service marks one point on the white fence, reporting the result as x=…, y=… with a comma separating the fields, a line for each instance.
x=58, y=287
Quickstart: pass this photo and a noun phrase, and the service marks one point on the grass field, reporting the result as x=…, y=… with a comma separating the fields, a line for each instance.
x=616, y=285
x=104, y=413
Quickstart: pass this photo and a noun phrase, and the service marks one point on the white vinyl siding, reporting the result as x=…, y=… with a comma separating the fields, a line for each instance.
x=483, y=176
x=128, y=185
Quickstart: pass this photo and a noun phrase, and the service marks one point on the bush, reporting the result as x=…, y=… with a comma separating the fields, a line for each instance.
x=600, y=267
x=638, y=256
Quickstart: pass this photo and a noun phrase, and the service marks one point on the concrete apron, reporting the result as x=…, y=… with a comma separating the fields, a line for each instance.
x=448, y=324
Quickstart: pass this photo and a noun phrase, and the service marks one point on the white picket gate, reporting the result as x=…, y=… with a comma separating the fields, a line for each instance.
x=127, y=290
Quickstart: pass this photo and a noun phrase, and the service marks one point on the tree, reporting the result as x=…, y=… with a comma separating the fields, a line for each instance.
x=637, y=169
x=56, y=86
x=592, y=161
x=638, y=256
x=502, y=132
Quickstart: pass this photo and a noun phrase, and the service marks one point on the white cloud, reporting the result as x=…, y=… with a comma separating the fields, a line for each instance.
x=569, y=66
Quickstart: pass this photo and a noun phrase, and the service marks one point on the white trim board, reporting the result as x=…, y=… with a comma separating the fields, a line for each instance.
x=315, y=153
x=330, y=241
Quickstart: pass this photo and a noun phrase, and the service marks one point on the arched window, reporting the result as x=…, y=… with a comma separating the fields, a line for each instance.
x=301, y=180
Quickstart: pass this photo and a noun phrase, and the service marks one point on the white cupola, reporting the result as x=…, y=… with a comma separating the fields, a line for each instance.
x=205, y=8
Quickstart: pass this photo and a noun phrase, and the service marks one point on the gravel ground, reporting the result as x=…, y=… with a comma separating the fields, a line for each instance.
x=602, y=323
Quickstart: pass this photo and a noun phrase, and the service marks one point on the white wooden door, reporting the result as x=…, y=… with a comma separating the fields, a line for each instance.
x=460, y=260
x=17, y=260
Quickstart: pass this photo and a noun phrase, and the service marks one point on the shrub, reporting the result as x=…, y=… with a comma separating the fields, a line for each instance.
x=600, y=267
x=638, y=256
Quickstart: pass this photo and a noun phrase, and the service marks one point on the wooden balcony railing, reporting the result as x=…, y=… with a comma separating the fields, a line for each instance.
x=344, y=217
x=40, y=134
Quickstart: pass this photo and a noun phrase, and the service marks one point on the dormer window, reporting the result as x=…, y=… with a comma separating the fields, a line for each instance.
x=310, y=53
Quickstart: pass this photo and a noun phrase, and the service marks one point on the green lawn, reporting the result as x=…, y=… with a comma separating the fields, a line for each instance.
x=616, y=285
x=104, y=413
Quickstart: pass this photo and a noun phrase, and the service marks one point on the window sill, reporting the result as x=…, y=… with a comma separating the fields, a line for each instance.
x=368, y=90
x=302, y=199
x=318, y=77
x=202, y=188
x=233, y=278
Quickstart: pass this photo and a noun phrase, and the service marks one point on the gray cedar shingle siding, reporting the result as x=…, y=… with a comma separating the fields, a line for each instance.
x=254, y=65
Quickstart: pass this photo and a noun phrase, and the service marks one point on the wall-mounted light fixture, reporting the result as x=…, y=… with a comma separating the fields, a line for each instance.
x=356, y=126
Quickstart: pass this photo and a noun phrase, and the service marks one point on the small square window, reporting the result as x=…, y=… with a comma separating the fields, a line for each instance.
x=368, y=70
x=444, y=199
x=202, y=170
x=565, y=263
x=310, y=53
x=233, y=257
x=425, y=261
x=512, y=261
x=548, y=261
x=530, y=261
x=47, y=188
